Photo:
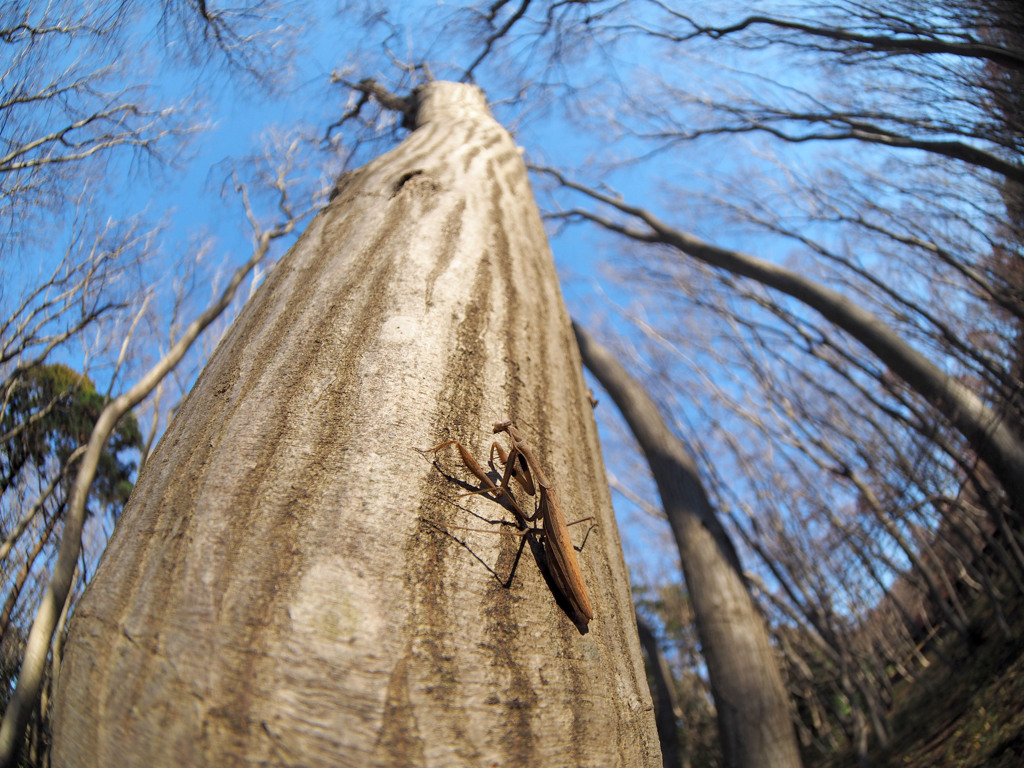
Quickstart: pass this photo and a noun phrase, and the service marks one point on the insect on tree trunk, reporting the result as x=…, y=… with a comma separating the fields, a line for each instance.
x=288, y=584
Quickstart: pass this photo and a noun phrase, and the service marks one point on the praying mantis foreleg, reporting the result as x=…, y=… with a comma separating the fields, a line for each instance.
x=515, y=465
x=471, y=464
x=520, y=467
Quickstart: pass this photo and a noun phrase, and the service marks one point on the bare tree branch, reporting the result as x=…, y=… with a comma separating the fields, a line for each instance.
x=989, y=435
x=33, y=665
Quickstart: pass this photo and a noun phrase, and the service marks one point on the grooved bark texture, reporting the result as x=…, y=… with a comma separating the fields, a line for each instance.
x=286, y=585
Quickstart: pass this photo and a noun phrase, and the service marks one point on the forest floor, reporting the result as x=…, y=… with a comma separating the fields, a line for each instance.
x=966, y=710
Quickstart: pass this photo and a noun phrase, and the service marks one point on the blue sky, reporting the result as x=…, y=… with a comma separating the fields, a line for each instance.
x=193, y=200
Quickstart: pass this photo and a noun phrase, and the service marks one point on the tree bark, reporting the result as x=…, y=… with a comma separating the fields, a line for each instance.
x=287, y=584
x=750, y=697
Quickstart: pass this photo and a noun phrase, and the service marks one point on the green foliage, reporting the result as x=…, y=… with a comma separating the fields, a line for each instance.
x=51, y=412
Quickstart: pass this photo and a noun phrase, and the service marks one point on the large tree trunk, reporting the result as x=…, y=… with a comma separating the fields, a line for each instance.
x=752, y=705
x=287, y=584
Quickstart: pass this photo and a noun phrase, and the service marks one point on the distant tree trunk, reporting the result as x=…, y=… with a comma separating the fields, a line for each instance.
x=667, y=712
x=287, y=584
x=754, y=718
x=994, y=438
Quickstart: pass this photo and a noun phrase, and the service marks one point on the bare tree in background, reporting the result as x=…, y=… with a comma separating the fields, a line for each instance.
x=75, y=109
x=751, y=701
x=849, y=456
x=66, y=109
x=53, y=602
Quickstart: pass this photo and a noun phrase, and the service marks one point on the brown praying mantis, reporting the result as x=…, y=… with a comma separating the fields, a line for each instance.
x=521, y=464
